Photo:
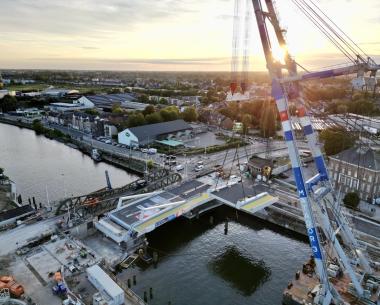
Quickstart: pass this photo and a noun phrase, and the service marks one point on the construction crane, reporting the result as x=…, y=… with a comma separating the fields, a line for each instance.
x=316, y=195
x=240, y=51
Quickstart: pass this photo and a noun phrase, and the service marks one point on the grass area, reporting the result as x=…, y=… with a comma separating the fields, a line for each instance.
x=41, y=87
x=26, y=87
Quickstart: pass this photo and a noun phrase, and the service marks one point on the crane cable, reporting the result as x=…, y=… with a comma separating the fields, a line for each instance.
x=348, y=37
x=324, y=31
x=329, y=27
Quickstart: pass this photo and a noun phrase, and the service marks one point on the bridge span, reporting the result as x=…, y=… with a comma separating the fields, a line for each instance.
x=144, y=214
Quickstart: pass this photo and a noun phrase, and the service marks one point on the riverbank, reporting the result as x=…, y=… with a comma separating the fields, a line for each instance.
x=49, y=170
x=125, y=162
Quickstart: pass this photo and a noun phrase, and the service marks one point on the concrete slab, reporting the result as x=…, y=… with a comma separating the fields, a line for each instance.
x=43, y=263
x=105, y=248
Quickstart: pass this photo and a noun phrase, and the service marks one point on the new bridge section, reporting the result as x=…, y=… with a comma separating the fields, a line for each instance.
x=143, y=215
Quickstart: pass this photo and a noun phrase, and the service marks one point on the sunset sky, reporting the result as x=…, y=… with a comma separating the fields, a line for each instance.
x=163, y=35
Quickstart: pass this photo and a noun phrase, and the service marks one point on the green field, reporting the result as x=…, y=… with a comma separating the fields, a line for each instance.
x=40, y=87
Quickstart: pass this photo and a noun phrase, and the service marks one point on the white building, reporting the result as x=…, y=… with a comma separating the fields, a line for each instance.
x=53, y=92
x=109, y=130
x=147, y=134
x=76, y=105
x=109, y=290
x=5, y=92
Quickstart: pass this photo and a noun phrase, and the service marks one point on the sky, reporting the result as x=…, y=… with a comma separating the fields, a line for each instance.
x=165, y=35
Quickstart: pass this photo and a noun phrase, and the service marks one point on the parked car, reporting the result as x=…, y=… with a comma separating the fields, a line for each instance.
x=108, y=141
x=152, y=151
x=198, y=168
x=179, y=167
x=235, y=179
x=170, y=162
x=144, y=150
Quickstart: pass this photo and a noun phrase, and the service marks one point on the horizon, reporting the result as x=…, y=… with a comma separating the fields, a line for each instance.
x=171, y=36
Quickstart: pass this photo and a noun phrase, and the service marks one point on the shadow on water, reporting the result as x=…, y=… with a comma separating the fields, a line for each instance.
x=243, y=273
x=178, y=233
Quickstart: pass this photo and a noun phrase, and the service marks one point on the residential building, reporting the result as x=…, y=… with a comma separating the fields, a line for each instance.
x=109, y=130
x=147, y=134
x=82, y=122
x=357, y=169
x=59, y=118
x=259, y=166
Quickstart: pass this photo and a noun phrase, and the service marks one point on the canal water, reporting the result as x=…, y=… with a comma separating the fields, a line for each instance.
x=38, y=164
x=198, y=263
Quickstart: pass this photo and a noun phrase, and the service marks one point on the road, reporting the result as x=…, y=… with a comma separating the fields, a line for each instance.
x=10, y=240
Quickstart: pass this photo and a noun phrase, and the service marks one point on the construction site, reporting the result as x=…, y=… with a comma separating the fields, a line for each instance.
x=71, y=251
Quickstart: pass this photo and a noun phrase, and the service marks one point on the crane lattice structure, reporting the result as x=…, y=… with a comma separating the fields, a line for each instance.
x=317, y=197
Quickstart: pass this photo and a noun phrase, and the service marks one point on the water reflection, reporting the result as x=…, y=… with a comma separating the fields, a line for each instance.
x=243, y=273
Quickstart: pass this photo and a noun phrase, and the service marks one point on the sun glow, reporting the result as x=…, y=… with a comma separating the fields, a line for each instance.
x=278, y=53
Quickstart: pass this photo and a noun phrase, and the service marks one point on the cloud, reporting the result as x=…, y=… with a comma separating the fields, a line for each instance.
x=82, y=17
x=89, y=48
x=142, y=61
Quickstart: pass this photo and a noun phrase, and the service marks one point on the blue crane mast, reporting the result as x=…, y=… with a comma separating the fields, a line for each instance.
x=319, y=203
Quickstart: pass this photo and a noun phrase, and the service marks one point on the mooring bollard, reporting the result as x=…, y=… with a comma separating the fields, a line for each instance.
x=145, y=296
x=151, y=293
x=155, y=258
x=226, y=227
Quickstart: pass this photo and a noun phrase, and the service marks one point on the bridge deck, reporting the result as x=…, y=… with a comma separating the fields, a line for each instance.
x=130, y=216
x=145, y=214
x=244, y=197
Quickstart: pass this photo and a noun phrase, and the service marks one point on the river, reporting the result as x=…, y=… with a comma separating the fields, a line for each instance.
x=47, y=169
x=198, y=263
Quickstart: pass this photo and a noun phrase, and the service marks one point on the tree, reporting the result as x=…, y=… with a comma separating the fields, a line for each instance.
x=38, y=127
x=116, y=109
x=8, y=103
x=246, y=120
x=163, y=101
x=136, y=119
x=143, y=98
x=148, y=110
x=342, y=108
x=268, y=119
x=153, y=118
x=170, y=113
x=351, y=200
x=189, y=114
x=149, y=164
x=337, y=139
x=92, y=111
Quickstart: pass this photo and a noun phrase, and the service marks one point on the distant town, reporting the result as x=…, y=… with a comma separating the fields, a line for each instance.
x=192, y=151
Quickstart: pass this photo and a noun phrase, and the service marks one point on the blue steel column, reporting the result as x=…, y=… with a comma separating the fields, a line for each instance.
x=282, y=106
x=312, y=140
